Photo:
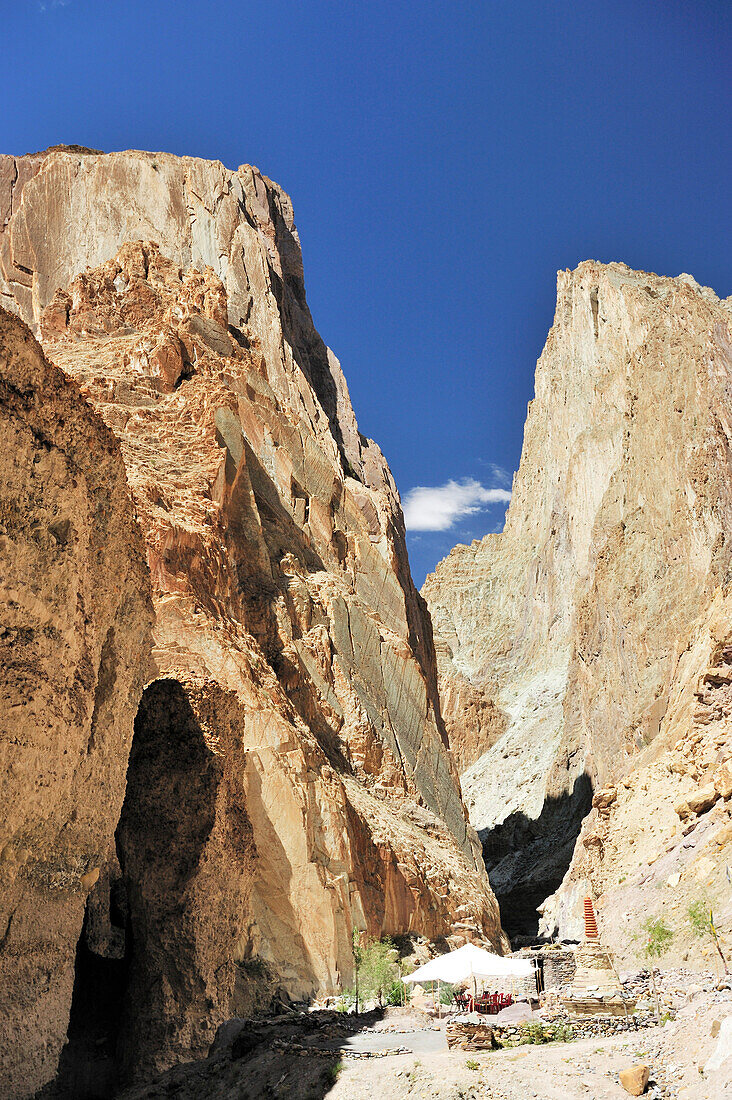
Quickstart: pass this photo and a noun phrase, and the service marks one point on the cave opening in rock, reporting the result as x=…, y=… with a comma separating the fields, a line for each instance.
x=527, y=858
x=134, y=971
x=88, y=1067
x=167, y=818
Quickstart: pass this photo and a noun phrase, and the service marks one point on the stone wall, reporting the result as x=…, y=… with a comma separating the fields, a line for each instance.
x=469, y=1034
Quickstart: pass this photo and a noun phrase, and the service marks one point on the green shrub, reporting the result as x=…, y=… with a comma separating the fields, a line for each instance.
x=701, y=919
x=394, y=995
x=472, y=1064
x=535, y=1033
x=657, y=937
x=331, y=1072
x=447, y=992
x=346, y=1001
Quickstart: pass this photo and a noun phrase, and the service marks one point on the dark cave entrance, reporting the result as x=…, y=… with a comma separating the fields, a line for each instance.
x=88, y=1068
x=527, y=858
x=169, y=768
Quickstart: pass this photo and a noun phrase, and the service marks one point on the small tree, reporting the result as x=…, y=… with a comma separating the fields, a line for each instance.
x=357, y=958
x=379, y=969
x=701, y=919
x=657, y=937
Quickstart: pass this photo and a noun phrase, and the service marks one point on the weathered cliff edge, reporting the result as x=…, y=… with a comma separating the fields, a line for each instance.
x=293, y=658
x=580, y=627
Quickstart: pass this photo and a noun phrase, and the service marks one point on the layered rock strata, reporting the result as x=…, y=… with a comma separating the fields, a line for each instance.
x=75, y=616
x=171, y=289
x=575, y=622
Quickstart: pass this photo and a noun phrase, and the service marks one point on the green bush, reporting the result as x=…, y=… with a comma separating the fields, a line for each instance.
x=657, y=937
x=536, y=1033
x=395, y=994
x=331, y=1072
x=447, y=992
x=346, y=1001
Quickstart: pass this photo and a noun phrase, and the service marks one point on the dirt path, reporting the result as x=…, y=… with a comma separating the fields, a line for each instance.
x=300, y=1058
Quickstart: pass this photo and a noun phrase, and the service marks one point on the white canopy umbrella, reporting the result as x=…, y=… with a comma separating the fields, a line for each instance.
x=470, y=962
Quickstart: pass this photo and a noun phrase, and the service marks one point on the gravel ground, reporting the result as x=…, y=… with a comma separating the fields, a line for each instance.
x=312, y=1064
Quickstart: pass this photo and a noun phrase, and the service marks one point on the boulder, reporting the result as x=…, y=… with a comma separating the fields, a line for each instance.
x=603, y=799
x=723, y=1049
x=723, y=780
x=702, y=799
x=634, y=1079
x=682, y=808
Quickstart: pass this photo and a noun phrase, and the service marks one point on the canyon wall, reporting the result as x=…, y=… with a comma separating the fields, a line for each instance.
x=75, y=642
x=571, y=627
x=290, y=778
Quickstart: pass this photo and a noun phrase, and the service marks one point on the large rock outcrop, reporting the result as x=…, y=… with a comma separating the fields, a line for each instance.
x=75, y=616
x=171, y=290
x=573, y=625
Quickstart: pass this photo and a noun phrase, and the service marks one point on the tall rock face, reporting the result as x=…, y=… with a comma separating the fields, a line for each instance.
x=75, y=617
x=571, y=626
x=659, y=838
x=291, y=727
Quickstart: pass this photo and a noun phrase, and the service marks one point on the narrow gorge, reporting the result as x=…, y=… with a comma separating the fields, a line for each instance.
x=233, y=733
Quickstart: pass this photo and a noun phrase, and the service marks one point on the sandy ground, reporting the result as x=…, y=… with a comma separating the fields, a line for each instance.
x=586, y=1070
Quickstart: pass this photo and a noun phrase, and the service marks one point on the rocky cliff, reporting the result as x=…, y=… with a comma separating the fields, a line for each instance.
x=75, y=643
x=572, y=628
x=289, y=778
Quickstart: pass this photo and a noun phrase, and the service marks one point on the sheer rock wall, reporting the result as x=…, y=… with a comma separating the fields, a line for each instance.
x=75, y=617
x=171, y=290
x=574, y=622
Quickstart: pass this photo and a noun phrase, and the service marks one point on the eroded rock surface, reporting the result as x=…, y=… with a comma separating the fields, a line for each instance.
x=171, y=289
x=75, y=616
x=575, y=622
x=660, y=838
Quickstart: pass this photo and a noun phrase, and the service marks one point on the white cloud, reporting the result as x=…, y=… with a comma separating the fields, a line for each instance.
x=501, y=476
x=438, y=507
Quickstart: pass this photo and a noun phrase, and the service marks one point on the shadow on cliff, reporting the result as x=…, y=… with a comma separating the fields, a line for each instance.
x=280, y=537
x=155, y=949
x=308, y=348
x=527, y=858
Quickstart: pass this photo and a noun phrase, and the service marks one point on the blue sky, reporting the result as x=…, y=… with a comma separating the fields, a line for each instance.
x=444, y=160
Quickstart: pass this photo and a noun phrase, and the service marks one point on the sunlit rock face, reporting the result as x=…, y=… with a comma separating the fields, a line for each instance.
x=75, y=617
x=171, y=290
x=573, y=623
